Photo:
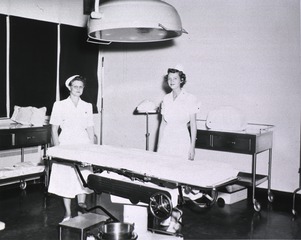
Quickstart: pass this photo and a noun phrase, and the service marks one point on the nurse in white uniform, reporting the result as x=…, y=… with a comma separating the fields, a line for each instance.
x=178, y=109
x=74, y=117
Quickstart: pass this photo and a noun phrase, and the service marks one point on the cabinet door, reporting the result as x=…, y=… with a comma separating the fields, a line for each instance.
x=203, y=140
x=7, y=140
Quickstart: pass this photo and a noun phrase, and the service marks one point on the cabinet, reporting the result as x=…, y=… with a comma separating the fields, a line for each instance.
x=18, y=136
x=255, y=139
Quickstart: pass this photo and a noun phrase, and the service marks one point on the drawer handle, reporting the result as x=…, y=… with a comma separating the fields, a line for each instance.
x=29, y=138
x=211, y=141
x=229, y=142
x=13, y=139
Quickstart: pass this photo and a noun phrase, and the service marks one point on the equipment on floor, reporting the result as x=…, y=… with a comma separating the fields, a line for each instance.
x=2, y=225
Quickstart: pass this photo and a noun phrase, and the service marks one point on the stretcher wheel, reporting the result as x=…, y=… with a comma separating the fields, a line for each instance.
x=221, y=202
x=257, y=206
x=270, y=197
x=23, y=185
x=160, y=205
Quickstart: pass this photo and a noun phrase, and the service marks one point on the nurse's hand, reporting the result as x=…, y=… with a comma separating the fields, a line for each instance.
x=191, y=154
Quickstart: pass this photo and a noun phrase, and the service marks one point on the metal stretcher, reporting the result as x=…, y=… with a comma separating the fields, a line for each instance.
x=147, y=177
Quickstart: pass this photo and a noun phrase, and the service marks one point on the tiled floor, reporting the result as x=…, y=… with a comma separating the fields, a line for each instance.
x=31, y=214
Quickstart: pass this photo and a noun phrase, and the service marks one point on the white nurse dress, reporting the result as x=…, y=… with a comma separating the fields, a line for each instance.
x=73, y=121
x=175, y=139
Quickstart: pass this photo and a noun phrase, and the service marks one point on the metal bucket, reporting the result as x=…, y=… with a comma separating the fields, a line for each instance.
x=117, y=231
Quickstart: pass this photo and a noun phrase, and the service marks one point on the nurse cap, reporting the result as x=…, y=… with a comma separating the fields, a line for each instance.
x=179, y=67
x=69, y=80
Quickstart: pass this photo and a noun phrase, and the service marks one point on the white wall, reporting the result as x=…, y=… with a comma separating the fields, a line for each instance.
x=240, y=53
x=59, y=11
x=244, y=53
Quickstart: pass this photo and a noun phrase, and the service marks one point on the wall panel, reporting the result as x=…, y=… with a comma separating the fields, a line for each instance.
x=78, y=57
x=3, y=66
x=33, y=56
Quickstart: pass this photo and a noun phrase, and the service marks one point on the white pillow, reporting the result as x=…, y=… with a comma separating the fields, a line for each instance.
x=226, y=118
x=38, y=116
x=29, y=115
x=22, y=115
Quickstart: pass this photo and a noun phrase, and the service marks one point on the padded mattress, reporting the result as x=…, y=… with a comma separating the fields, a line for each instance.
x=202, y=173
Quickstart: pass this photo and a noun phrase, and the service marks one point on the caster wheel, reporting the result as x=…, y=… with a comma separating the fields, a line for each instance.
x=23, y=185
x=220, y=202
x=270, y=197
x=294, y=212
x=257, y=206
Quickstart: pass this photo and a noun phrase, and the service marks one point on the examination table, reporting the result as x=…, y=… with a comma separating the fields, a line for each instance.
x=144, y=179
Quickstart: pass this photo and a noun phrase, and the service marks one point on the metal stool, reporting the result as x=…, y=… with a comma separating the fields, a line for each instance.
x=82, y=223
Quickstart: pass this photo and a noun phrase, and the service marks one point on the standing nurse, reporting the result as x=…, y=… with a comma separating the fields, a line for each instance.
x=74, y=117
x=178, y=109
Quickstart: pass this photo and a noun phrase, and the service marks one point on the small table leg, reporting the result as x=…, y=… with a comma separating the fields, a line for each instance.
x=270, y=194
x=60, y=232
x=256, y=204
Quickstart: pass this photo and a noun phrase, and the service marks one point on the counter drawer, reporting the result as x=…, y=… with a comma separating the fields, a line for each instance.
x=226, y=141
x=232, y=143
x=32, y=138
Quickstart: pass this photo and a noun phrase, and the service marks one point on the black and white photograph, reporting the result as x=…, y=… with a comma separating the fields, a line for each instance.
x=150, y=119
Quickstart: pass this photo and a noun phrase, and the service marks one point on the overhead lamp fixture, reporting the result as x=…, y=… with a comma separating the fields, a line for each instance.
x=133, y=21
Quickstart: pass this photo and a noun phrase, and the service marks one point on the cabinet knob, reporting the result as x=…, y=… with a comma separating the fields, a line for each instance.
x=13, y=139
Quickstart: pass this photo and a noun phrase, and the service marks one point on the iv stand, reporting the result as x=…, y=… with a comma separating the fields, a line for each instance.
x=147, y=134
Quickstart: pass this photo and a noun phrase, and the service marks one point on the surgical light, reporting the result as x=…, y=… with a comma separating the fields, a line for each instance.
x=133, y=21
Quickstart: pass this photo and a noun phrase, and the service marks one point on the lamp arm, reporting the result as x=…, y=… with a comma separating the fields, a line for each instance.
x=96, y=6
x=96, y=14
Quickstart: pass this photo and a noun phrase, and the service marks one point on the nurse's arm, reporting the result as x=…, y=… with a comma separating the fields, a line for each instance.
x=91, y=134
x=161, y=130
x=193, y=132
x=55, y=134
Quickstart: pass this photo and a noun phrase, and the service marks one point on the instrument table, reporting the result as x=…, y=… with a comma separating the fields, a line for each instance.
x=255, y=139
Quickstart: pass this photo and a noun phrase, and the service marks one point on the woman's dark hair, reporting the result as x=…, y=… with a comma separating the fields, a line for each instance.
x=78, y=78
x=181, y=74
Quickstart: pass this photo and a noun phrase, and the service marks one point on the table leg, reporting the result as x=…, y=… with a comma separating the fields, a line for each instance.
x=60, y=233
x=147, y=133
x=270, y=195
x=22, y=154
x=256, y=205
x=294, y=198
